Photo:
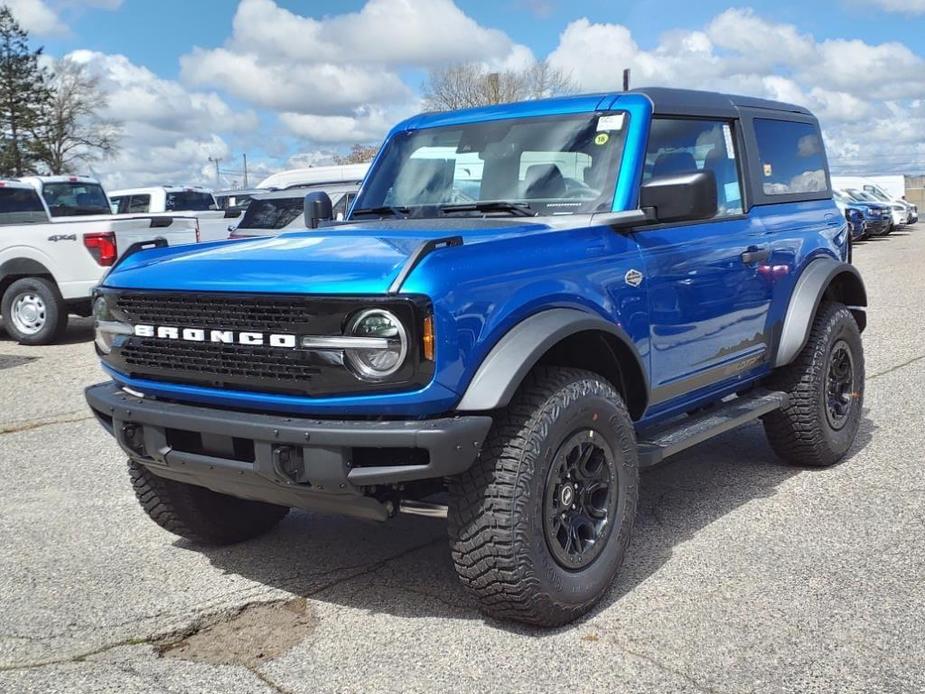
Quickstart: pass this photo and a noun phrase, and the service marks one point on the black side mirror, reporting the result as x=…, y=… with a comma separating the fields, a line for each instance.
x=318, y=208
x=681, y=197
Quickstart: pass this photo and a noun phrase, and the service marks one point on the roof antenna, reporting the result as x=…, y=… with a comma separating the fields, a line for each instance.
x=626, y=79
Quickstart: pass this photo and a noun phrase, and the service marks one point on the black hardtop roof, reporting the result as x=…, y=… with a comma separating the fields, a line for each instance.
x=691, y=102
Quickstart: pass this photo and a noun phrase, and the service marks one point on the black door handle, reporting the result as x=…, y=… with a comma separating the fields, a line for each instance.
x=754, y=254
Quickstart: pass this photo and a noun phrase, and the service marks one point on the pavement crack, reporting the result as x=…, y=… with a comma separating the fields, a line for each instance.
x=896, y=368
x=203, y=622
x=263, y=677
x=43, y=422
x=652, y=660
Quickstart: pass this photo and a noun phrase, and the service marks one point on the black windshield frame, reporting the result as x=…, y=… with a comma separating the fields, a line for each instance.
x=569, y=151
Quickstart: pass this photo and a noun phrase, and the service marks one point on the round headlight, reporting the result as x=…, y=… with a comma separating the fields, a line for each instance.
x=388, y=355
x=106, y=326
x=102, y=316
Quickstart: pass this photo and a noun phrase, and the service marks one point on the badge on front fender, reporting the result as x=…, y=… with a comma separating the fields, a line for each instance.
x=633, y=278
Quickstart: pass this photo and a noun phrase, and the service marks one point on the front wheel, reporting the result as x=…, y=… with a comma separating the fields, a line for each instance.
x=199, y=514
x=826, y=388
x=33, y=311
x=540, y=524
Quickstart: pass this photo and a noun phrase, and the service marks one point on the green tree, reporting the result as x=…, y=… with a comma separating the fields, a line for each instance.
x=24, y=96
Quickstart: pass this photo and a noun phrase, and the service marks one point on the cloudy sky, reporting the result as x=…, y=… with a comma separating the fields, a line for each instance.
x=289, y=82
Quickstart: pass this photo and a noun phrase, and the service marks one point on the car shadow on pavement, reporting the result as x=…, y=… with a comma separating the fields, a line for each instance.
x=78, y=330
x=403, y=567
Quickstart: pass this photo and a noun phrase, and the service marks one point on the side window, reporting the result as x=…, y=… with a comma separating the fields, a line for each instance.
x=139, y=203
x=679, y=145
x=340, y=208
x=119, y=202
x=792, y=157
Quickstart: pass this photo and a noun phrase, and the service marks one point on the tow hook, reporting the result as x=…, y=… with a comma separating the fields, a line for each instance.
x=288, y=462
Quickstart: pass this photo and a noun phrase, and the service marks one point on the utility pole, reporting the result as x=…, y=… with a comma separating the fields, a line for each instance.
x=626, y=79
x=245, y=169
x=216, y=161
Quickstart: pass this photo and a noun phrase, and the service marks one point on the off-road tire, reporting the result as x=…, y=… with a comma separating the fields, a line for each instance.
x=55, y=320
x=199, y=514
x=801, y=433
x=499, y=547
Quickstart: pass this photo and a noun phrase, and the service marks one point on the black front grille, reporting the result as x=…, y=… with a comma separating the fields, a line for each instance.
x=217, y=360
x=263, y=313
x=256, y=367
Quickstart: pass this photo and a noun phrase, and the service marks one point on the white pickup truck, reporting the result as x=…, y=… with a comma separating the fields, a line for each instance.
x=48, y=269
x=194, y=201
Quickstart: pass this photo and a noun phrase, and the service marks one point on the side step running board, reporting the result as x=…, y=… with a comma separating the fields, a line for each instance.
x=691, y=430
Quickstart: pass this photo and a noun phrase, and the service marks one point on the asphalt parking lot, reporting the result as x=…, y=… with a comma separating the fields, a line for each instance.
x=744, y=575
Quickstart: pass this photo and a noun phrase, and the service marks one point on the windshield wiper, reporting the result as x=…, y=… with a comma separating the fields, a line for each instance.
x=383, y=210
x=515, y=208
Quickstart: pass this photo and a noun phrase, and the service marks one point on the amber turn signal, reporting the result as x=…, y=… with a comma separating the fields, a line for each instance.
x=428, y=338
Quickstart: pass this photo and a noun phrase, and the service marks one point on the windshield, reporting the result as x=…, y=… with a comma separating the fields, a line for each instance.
x=861, y=197
x=275, y=213
x=877, y=194
x=195, y=201
x=525, y=166
x=70, y=198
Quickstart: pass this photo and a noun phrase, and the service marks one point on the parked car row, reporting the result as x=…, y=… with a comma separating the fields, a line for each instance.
x=870, y=209
x=62, y=234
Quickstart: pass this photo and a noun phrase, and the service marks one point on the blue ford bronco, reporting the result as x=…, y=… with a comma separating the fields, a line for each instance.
x=526, y=304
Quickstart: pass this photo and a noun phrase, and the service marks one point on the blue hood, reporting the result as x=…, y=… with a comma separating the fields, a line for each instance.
x=354, y=259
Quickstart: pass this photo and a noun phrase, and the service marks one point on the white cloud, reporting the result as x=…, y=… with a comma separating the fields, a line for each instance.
x=903, y=6
x=868, y=97
x=339, y=79
x=170, y=132
x=365, y=125
x=36, y=16
x=43, y=19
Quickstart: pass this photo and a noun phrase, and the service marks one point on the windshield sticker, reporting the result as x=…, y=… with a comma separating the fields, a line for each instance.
x=611, y=122
x=601, y=138
x=727, y=135
x=767, y=170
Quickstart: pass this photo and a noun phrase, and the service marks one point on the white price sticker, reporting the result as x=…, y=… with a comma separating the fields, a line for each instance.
x=613, y=122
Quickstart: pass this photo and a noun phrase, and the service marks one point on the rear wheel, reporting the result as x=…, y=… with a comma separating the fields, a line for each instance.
x=199, y=514
x=33, y=311
x=826, y=388
x=540, y=524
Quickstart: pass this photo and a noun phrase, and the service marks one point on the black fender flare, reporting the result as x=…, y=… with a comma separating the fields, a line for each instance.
x=22, y=267
x=807, y=294
x=518, y=351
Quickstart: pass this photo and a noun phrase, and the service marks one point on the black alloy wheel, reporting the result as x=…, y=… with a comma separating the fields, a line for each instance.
x=580, y=500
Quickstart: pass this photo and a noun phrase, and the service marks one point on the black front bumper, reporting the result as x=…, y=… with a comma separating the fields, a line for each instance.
x=316, y=464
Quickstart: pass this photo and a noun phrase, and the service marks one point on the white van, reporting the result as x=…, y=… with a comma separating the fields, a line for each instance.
x=316, y=175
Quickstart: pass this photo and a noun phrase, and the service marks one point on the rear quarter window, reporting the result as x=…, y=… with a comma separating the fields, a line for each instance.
x=21, y=206
x=792, y=157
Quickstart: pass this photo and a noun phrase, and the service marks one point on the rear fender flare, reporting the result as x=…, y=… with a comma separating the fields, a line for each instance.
x=808, y=292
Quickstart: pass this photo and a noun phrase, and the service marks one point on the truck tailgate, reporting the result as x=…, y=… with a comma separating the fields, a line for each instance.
x=174, y=230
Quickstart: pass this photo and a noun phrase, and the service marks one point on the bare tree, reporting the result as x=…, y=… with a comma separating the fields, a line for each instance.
x=470, y=84
x=359, y=154
x=72, y=130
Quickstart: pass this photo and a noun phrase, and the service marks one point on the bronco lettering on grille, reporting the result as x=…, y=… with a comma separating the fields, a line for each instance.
x=228, y=337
